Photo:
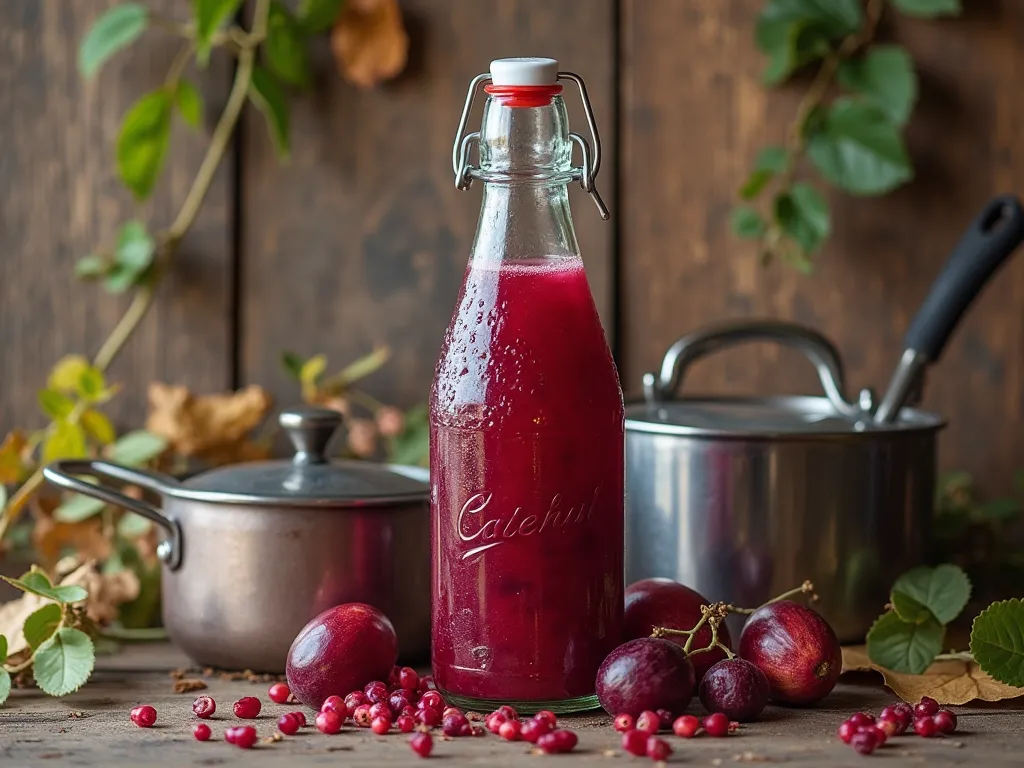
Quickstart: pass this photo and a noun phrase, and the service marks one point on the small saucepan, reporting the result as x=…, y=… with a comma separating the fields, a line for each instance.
x=742, y=498
x=254, y=551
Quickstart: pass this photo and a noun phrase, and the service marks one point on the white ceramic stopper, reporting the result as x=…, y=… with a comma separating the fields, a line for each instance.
x=524, y=71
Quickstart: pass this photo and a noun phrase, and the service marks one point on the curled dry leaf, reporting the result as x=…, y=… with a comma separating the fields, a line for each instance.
x=51, y=537
x=210, y=427
x=948, y=682
x=369, y=41
x=12, y=465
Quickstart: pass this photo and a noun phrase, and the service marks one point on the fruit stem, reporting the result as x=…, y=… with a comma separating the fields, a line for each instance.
x=713, y=615
x=807, y=588
x=715, y=621
x=955, y=656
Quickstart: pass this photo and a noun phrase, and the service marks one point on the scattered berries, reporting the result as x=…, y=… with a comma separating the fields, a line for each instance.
x=247, y=707
x=847, y=731
x=510, y=730
x=204, y=707
x=901, y=717
x=243, y=736
x=300, y=717
x=533, y=729
x=279, y=693
x=925, y=726
x=398, y=701
x=889, y=727
x=557, y=742
x=624, y=722
x=362, y=717
x=880, y=735
x=664, y=719
x=860, y=719
x=456, y=711
x=945, y=721
x=428, y=716
x=328, y=722
x=380, y=725
x=201, y=731
x=864, y=742
x=288, y=724
x=405, y=723
x=686, y=726
x=421, y=743
x=927, y=707
x=376, y=691
x=455, y=724
x=658, y=749
x=335, y=704
x=635, y=742
x=380, y=709
x=508, y=712
x=716, y=725
x=648, y=721
x=494, y=721
x=407, y=678
x=434, y=700
x=143, y=716
x=547, y=716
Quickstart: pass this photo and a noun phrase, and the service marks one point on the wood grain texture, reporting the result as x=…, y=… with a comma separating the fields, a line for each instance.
x=362, y=239
x=60, y=198
x=693, y=116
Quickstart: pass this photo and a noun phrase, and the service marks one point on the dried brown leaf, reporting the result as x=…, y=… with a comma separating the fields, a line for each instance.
x=51, y=537
x=211, y=427
x=11, y=459
x=187, y=686
x=369, y=42
x=948, y=682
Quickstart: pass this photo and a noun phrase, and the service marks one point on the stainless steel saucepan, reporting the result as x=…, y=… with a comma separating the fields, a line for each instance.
x=742, y=498
x=254, y=551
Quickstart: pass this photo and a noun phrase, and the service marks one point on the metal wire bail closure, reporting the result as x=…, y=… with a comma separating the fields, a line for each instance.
x=585, y=173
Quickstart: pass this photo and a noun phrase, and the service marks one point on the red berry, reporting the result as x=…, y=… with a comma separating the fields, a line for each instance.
x=429, y=716
x=861, y=718
x=335, y=704
x=362, y=717
x=686, y=726
x=380, y=725
x=421, y=743
x=405, y=723
x=864, y=742
x=847, y=731
x=547, y=716
x=926, y=707
x=455, y=724
x=648, y=721
x=352, y=701
x=143, y=716
x=247, y=707
x=493, y=721
x=376, y=691
x=716, y=725
x=432, y=699
x=624, y=722
x=477, y=730
x=658, y=749
x=300, y=717
x=288, y=724
x=328, y=722
x=510, y=729
x=905, y=710
x=456, y=711
x=889, y=727
x=664, y=719
x=397, y=700
x=635, y=742
x=201, y=731
x=900, y=718
x=243, y=736
x=557, y=742
x=533, y=729
x=393, y=676
x=204, y=706
x=880, y=735
x=508, y=712
x=409, y=710
x=925, y=726
x=945, y=721
x=407, y=678
x=380, y=709
x=279, y=693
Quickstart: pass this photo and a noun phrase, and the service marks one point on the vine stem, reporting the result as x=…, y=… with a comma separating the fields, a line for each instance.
x=955, y=656
x=143, y=298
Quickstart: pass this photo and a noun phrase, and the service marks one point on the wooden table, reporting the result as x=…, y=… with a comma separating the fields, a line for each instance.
x=91, y=727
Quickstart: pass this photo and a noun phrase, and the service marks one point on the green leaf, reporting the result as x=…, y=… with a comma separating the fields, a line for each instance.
x=908, y=609
x=412, y=447
x=904, y=647
x=138, y=447
x=361, y=368
x=120, y=278
x=943, y=590
x=312, y=370
x=793, y=33
x=5, y=685
x=857, y=148
x=142, y=142
x=292, y=363
x=319, y=15
x=64, y=441
x=770, y=161
x=131, y=526
x=54, y=404
x=269, y=99
x=747, y=223
x=3, y=649
x=41, y=625
x=886, y=78
x=37, y=582
x=285, y=46
x=997, y=641
x=135, y=247
x=64, y=376
x=211, y=15
x=115, y=29
x=64, y=662
x=802, y=214
x=928, y=9
x=91, y=384
x=189, y=102
x=98, y=427
x=91, y=266
x=78, y=508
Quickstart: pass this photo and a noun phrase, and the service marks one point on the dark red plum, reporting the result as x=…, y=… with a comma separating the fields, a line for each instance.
x=645, y=674
x=736, y=688
x=665, y=603
x=339, y=651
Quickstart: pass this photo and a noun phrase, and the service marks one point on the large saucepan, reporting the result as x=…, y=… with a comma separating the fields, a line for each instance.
x=254, y=551
x=742, y=498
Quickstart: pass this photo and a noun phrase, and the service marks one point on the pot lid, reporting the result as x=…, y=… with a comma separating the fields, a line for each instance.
x=310, y=478
x=763, y=417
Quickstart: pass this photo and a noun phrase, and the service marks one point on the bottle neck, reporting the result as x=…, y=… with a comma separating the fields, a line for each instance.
x=526, y=165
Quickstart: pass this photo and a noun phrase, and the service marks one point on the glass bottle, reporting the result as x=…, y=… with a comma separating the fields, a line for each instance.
x=526, y=424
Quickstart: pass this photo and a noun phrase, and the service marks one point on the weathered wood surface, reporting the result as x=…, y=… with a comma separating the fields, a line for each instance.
x=60, y=198
x=694, y=114
x=91, y=727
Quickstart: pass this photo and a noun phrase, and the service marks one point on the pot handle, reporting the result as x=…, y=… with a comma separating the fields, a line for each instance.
x=704, y=341
x=66, y=474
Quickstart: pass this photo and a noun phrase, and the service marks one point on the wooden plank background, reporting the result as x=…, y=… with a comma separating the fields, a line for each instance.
x=361, y=240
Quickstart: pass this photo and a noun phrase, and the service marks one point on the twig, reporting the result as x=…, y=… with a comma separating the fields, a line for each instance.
x=955, y=656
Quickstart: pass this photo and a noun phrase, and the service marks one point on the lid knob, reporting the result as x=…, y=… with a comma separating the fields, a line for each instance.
x=524, y=71
x=311, y=430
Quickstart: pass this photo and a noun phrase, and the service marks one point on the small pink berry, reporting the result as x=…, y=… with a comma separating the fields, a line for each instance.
x=686, y=726
x=456, y=711
x=508, y=712
x=432, y=699
x=658, y=749
x=380, y=709
x=279, y=693
x=204, y=706
x=455, y=724
x=861, y=718
x=201, y=731
x=288, y=724
x=716, y=725
x=847, y=731
x=429, y=717
x=648, y=721
x=880, y=735
x=335, y=704
x=380, y=725
x=510, y=729
x=624, y=722
x=635, y=742
x=144, y=716
x=407, y=678
x=299, y=717
x=547, y=716
x=863, y=742
x=328, y=722
x=247, y=707
x=397, y=701
x=557, y=742
x=405, y=723
x=421, y=743
x=927, y=707
x=889, y=727
x=376, y=691
x=664, y=719
x=945, y=721
x=243, y=736
x=493, y=721
x=533, y=729
x=925, y=726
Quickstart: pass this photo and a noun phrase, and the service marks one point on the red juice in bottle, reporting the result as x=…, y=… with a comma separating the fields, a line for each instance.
x=526, y=433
